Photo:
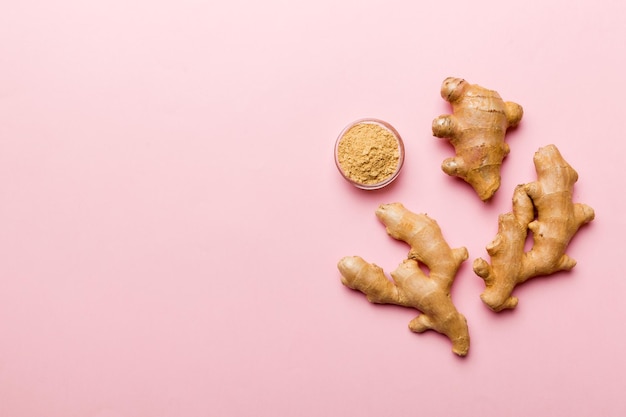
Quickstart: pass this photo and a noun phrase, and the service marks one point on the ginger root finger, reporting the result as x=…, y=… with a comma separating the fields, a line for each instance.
x=369, y=279
x=476, y=129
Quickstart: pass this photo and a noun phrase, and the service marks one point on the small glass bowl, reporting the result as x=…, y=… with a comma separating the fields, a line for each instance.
x=387, y=180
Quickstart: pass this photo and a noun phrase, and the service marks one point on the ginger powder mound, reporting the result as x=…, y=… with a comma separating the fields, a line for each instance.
x=369, y=153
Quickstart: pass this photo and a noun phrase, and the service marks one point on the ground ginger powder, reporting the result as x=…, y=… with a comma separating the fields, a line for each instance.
x=368, y=153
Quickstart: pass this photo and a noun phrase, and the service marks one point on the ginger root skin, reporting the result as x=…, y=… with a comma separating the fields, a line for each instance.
x=557, y=221
x=476, y=129
x=410, y=286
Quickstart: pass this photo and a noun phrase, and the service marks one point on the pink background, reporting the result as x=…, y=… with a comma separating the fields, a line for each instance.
x=171, y=216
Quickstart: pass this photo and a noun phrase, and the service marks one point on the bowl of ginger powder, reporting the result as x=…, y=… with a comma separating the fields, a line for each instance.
x=369, y=153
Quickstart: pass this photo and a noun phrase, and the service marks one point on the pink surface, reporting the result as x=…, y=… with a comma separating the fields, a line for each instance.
x=171, y=216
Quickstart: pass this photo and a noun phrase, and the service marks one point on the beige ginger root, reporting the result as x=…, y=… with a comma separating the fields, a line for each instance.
x=411, y=287
x=557, y=221
x=476, y=129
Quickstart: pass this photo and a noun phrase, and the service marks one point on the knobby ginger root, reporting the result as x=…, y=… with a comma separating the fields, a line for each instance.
x=411, y=287
x=476, y=129
x=557, y=221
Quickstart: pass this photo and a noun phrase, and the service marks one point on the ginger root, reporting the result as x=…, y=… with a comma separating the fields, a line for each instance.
x=411, y=287
x=476, y=129
x=557, y=221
